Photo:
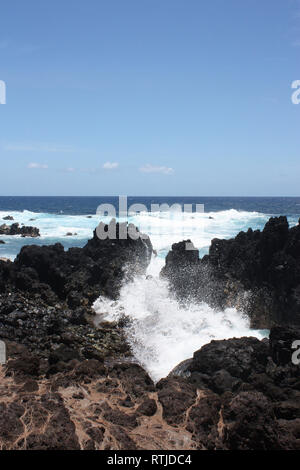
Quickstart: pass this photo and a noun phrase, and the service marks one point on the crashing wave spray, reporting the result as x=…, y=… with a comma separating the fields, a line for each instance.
x=163, y=333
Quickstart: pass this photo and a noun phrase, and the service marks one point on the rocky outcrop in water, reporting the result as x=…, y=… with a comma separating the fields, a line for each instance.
x=15, y=229
x=78, y=275
x=257, y=271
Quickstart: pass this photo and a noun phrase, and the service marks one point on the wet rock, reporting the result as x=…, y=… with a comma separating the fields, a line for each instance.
x=48, y=331
x=46, y=293
x=239, y=357
x=222, y=381
x=257, y=271
x=96, y=433
x=249, y=393
x=135, y=380
x=249, y=423
x=8, y=217
x=249, y=401
x=121, y=419
x=124, y=441
x=97, y=268
x=30, y=386
x=147, y=407
x=64, y=354
x=11, y=426
x=127, y=403
x=176, y=396
x=59, y=433
x=27, y=365
x=15, y=229
x=203, y=419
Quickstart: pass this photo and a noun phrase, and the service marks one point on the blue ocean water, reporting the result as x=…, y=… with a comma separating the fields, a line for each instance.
x=75, y=205
x=224, y=217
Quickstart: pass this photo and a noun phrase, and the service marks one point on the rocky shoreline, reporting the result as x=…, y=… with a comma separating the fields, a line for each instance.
x=257, y=271
x=69, y=385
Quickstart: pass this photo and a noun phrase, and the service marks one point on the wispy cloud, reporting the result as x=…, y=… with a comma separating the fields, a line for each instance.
x=110, y=165
x=157, y=169
x=34, y=165
x=37, y=147
x=70, y=169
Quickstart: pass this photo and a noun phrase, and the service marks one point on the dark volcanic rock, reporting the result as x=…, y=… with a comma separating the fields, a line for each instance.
x=148, y=407
x=257, y=271
x=46, y=293
x=57, y=333
x=8, y=217
x=239, y=357
x=250, y=401
x=250, y=423
x=176, y=396
x=82, y=274
x=248, y=394
x=15, y=229
x=134, y=378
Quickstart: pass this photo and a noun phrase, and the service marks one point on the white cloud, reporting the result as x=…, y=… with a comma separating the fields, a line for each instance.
x=110, y=165
x=37, y=165
x=70, y=169
x=157, y=169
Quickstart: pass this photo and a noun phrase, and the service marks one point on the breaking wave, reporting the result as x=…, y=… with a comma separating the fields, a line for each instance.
x=161, y=332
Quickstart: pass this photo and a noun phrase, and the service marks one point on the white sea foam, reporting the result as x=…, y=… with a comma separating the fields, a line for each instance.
x=164, y=228
x=162, y=333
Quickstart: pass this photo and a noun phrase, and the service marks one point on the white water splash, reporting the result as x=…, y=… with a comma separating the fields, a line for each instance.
x=163, y=333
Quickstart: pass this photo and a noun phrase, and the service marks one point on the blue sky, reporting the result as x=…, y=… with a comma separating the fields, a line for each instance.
x=150, y=97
